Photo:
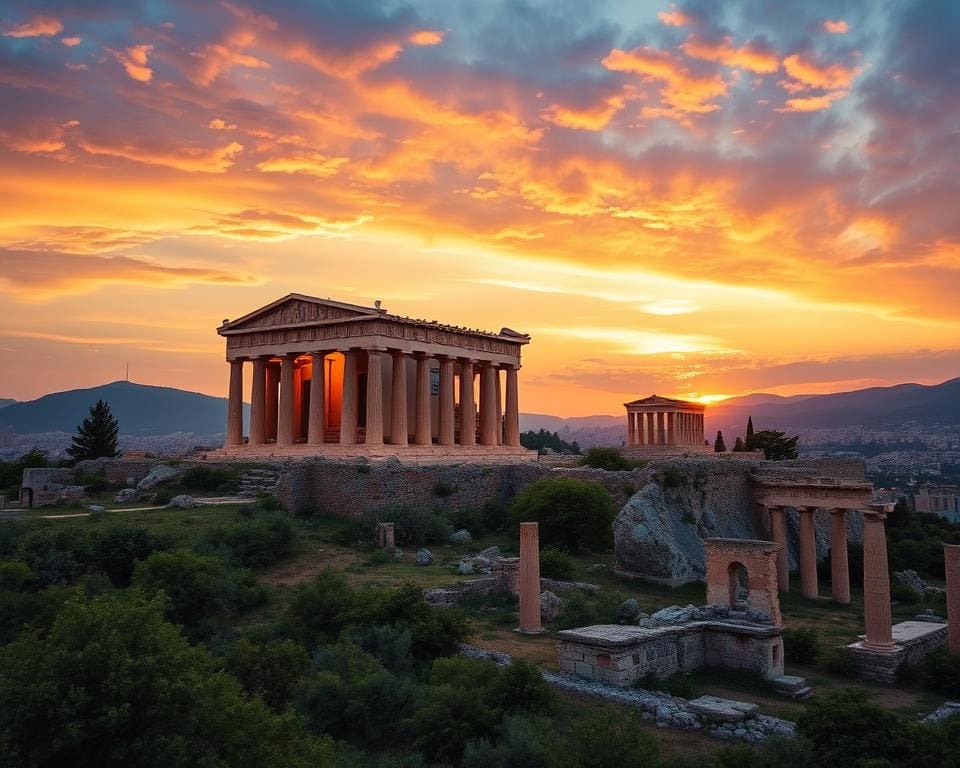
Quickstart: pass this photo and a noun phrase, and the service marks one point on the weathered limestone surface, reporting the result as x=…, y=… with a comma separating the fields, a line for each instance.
x=913, y=641
x=659, y=533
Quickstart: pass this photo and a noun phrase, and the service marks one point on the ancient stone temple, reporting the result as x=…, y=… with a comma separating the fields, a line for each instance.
x=336, y=378
x=662, y=425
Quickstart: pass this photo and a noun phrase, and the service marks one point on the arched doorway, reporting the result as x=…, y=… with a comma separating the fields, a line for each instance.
x=738, y=579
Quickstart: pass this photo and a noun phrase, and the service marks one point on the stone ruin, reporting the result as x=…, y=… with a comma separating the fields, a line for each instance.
x=739, y=628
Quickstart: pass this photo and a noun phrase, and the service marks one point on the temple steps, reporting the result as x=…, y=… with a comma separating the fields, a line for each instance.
x=258, y=481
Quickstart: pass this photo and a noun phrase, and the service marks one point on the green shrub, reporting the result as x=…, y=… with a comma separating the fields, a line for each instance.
x=582, y=609
x=443, y=489
x=674, y=477
x=379, y=557
x=801, y=646
x=554, y=564
x=162, y=498
x=573, y=514
x=610, y=459
x=496, y=514
x=253, y=543
x=415, y=526
x=270, y=670
x=678, y=684
x=467, y=518
x=901, y=593
x=116, y=550
x=209, y=478
x=267, y=502
x=837, y=661
x=612, y=737
x=345, y=531
x=941, y=673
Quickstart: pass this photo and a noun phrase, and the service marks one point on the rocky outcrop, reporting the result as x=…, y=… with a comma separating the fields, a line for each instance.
x=659, y=532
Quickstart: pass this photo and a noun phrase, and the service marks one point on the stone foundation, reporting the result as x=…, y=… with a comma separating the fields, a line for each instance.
x=622, y=655
x=913, y=641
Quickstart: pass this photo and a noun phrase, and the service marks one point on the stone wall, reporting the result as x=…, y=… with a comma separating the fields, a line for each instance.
x=119, y=470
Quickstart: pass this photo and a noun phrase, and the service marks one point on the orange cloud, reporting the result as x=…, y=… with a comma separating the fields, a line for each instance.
x=217, y=59
x=218, y=124
x=32, y=145
x=838, y=27
x=674, y=18
x=815, y=75
x=311, y=163
x=750, y=56
x=37, y=26
x=683, y=93
x=135, y=62
x=189, y=158
x=347, y=64
x=273, y=226
x=70, y=42
x=426, y=37
x=593, y=118
x=812, y=103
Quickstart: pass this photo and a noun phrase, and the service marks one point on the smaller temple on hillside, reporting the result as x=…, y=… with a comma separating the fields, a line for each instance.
x=662, y=425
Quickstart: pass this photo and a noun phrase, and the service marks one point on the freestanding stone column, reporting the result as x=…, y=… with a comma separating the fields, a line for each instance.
x=951, y=564
x=671, y=429
x=488, y=405
x=399, y=432
x=631, y=429
x=272, y=402
x=258, y=402
x=423, y=434
x=512, y=416
x=447, y=427
x=374, y=429
x=876, y=582
x=839, y=568
x=316, y=424
x=499, y=412
x=468, y=423
x=530, y=578
x=778, y=533
x=235, y=404
x=348, y=403
x=285, y=426
x=808, y=553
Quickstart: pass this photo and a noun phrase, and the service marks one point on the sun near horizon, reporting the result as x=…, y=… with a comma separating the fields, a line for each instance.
x=710, y=202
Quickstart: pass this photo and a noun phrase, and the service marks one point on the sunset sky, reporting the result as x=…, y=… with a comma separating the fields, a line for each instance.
x=696, y=199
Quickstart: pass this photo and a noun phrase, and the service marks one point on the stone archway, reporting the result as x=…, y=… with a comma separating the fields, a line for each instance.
x=725, y=559
x=738, y=578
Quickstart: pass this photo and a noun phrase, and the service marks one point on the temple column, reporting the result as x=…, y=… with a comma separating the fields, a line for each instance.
x=258, y=404
x=374, y=396
x=488, y=405
x=235, y=404
x=630, y=435
x=496, y=389
x=447, y=427
x=399, y=431
x=530, y=578
x=348, y=402
x=876, y=582
x=316, y=424
x=700, y=419
x=468, y=426
x=808, y=553
x=661, y=430
x=671, y=429
x=422, y=434
x=512, y=415
x=650, y=429
x=839, y=568
x=271, y=402
x=951, y=564
x=778, y=534
x=285, y=424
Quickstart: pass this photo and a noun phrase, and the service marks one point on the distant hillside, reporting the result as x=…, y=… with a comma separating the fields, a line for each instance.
x=874, y=407
x=4, y=402
x=141, y=410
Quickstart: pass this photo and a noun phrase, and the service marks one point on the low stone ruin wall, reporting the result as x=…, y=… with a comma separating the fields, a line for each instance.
x=622, y=655
x=119, y=470
x=913, y=642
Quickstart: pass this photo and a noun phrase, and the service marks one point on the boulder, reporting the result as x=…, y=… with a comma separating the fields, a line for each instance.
x=912, y=581
x=461, y=537
x=182, y=502
x=628, y=612
x=424, y=557
x=96, y=509
x=127, y=495
x=465, y=568
x=675, y=614
x=159, y=474
x=549, y=606
x=490, y=553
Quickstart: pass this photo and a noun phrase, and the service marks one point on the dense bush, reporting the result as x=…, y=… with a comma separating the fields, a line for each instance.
x=801, y=646
x=113, y=684
x=915, y=540
x=941, y=673
x=582, y=609
x=573, y=514
x=611, y=459
x=209, y=478
x=196, y=586
x=270, y=670
x=554, y=564
x=674, y=477
x=344, y=531
x=11, y=472
x=253, y=543
x=496, y=514
x=415, y=526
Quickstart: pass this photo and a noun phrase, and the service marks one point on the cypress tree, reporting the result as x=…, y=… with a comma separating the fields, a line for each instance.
x=97, y=436
x=718, y=445
x=738, y=446
x=749, y=427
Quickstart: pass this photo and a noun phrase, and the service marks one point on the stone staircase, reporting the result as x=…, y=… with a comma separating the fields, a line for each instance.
x=793, y=686
x=258, y=481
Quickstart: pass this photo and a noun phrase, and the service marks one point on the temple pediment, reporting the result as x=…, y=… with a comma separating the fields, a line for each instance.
x=666, y=401
x=296, y=309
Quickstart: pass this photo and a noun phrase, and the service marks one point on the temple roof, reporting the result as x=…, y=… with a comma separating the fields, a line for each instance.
x=660, y=400
x=343, y=312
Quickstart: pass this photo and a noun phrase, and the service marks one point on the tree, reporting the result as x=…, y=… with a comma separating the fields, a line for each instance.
x=112, y=684
x=602, y=457
x=573, y=514
x=749, y=427
x=97, y=437
x=776, y=446
x=718, y=445
x=738, y=445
